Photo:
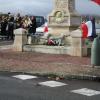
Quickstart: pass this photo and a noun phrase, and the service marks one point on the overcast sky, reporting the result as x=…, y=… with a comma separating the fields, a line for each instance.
x=43, y=7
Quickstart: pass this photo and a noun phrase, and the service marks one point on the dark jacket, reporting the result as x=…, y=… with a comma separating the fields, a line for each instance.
x=32, y=27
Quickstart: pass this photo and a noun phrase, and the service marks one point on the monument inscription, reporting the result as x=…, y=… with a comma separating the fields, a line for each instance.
x=68, y=5
x=71, y=5
x=61, y=4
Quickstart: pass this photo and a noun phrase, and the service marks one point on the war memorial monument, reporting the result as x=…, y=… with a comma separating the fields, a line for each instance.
x=64, y=21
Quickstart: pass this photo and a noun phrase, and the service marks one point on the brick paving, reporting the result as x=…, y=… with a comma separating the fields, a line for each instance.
x=45, y=63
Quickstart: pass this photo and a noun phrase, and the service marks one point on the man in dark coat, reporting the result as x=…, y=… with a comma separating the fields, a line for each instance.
x=32, y=26
x=17, y=21
x=10, y=29
x=3, y=25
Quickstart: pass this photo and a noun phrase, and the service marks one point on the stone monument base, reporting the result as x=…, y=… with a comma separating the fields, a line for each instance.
x=47, y=49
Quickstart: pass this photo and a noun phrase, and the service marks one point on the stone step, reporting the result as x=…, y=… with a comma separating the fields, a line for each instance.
x=47, y=49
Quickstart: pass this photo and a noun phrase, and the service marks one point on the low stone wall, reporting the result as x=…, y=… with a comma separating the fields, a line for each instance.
x=47, y=49
x=73, y=48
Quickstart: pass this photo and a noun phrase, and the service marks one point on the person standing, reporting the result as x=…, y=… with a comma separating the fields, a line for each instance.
x=32, y=27
x=17, y=21
x=3, y=25
x=27, y=22
x=10, y=29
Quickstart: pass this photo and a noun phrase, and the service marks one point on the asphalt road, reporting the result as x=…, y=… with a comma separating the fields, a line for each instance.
x=13, y=88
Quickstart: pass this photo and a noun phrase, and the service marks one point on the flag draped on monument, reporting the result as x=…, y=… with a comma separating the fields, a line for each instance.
x=96, y=1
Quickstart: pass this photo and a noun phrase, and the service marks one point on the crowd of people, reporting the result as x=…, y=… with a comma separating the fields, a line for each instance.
x=10, y=22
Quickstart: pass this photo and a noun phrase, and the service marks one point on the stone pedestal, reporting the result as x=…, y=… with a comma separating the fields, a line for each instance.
x=64, y=18
x=20, y=39
x=77, y=48
x=29, y=40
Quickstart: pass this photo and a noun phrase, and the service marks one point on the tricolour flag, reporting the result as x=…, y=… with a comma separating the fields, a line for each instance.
x=88, y=28
x=96, y=1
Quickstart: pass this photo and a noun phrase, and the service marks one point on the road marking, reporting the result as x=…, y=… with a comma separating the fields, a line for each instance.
x=86, y=91
x=24, y=77
x=52, y=83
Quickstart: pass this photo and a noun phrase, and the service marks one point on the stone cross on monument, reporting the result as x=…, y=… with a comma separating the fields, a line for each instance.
x=64, y=18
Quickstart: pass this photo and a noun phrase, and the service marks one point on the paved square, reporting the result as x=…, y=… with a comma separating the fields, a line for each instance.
x=87, y=92
x=24, y=77
x=52, y=83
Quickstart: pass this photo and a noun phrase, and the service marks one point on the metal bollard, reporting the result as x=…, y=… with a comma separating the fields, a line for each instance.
x=95, y=52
